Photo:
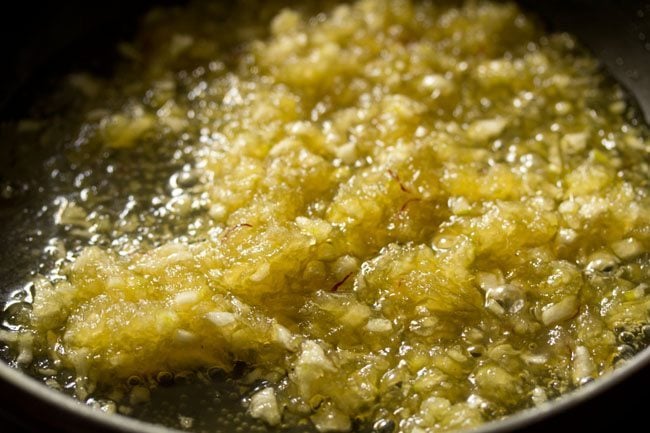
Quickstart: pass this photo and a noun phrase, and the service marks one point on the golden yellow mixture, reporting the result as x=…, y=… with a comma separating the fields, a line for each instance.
x=413, y=213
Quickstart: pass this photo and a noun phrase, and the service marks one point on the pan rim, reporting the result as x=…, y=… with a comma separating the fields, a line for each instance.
x=124, y=424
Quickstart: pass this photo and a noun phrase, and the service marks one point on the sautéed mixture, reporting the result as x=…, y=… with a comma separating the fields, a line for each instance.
x=409, y=215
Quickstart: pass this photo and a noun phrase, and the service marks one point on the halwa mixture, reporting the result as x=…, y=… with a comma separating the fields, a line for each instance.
x=420, y=216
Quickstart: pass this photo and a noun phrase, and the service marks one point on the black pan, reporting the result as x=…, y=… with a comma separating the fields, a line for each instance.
x=53, y=38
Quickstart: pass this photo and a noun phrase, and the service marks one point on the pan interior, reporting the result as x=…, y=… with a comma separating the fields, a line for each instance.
x=26, y=186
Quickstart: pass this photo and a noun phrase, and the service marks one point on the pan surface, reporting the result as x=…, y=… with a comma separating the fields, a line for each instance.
x=618, y=34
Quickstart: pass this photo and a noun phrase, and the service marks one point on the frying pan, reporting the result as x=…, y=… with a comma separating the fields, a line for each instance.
x=47, y=40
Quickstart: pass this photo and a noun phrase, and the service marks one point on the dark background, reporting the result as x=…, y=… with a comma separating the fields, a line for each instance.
x=55, y=37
